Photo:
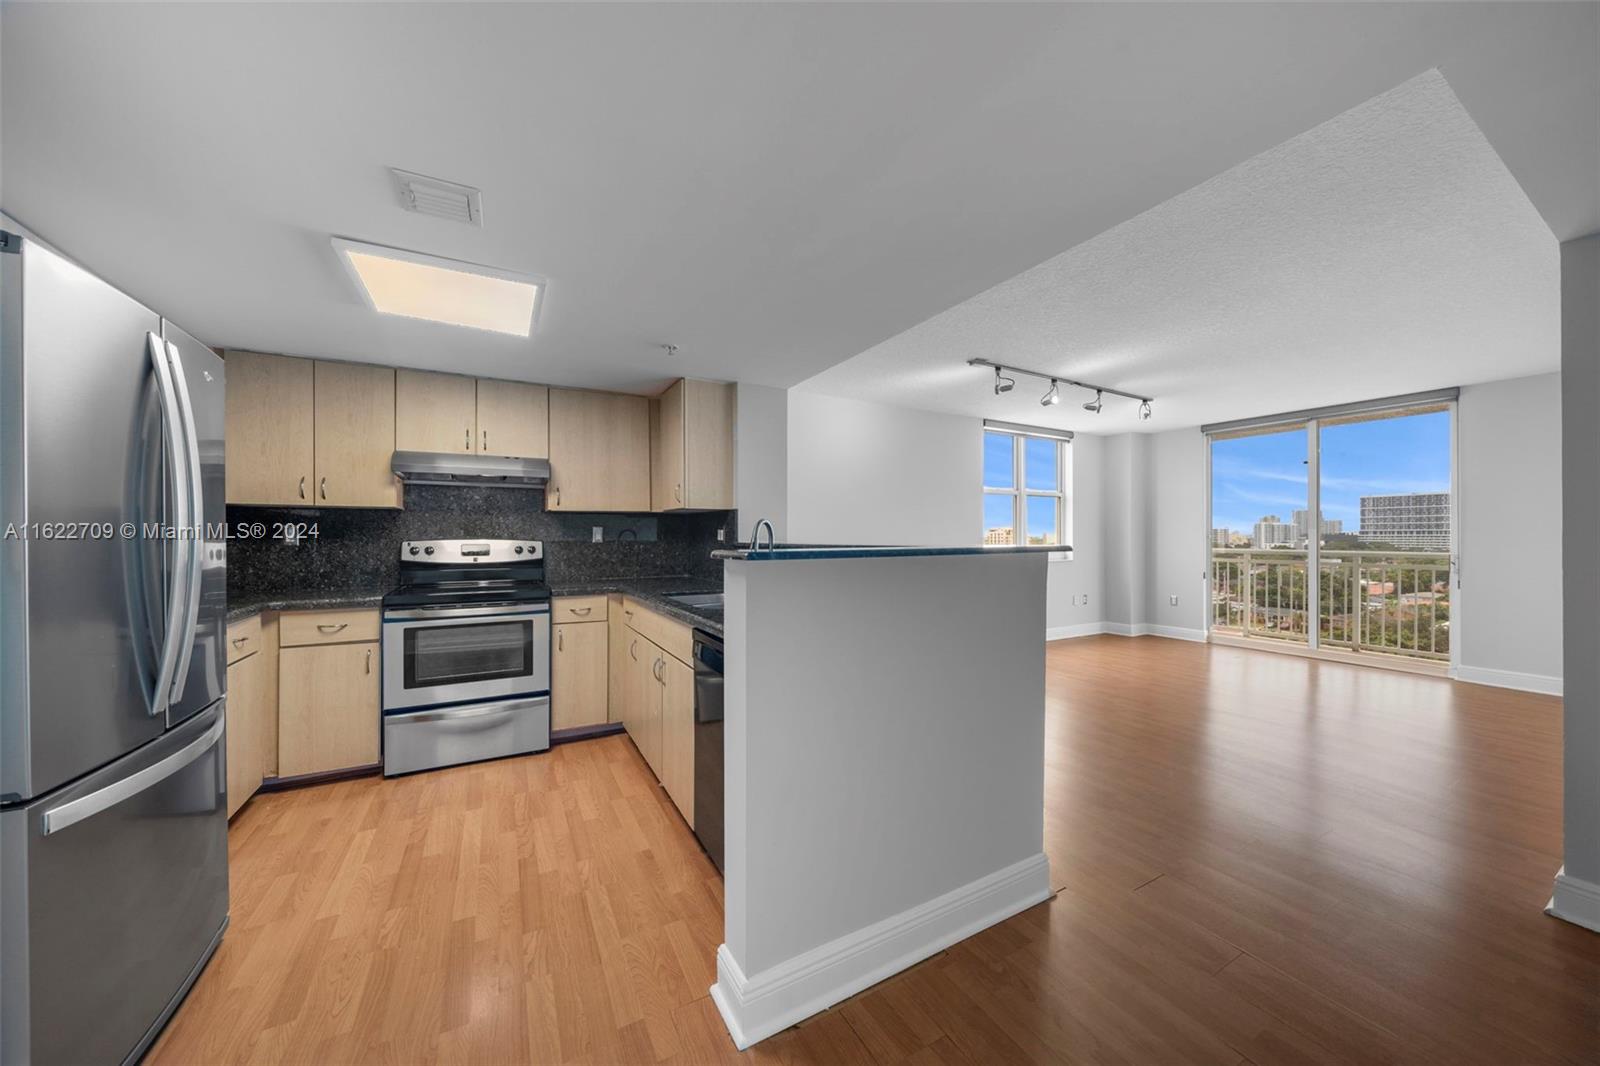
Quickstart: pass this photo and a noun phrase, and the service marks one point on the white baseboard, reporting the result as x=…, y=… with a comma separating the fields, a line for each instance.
x=1482, y=675
x=754, y=1008
x=1575, y=901
x=1123, y=629
x=1086, y=629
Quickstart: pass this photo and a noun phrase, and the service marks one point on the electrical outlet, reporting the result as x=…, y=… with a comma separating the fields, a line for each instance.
x=1086, y=599
x=722, y=534
x=1174, y=600
x=599, y=534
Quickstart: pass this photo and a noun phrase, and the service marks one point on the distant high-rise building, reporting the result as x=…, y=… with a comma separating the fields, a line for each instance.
x=1301, y=520
x=1221, y=538
x=998, y=535
x=1414, y=521
x=1274, y=532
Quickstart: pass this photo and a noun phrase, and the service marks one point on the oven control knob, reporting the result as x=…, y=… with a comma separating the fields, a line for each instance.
x=415, y=549
x=428, y=550
x=518, y=549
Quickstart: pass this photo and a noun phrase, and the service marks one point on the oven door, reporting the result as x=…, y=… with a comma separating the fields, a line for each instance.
x=434, y=656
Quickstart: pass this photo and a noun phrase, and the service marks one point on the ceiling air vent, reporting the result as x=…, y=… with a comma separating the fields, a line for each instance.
x=439, y=198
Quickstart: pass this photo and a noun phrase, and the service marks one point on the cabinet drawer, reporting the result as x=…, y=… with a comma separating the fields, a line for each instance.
x=674, y=638
x=578, y=609
x=244, y=638
x=327, y=627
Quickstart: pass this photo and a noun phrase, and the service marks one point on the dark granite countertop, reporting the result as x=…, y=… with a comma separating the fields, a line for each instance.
x=242, y=607
x=653, y=592
x=868, y=551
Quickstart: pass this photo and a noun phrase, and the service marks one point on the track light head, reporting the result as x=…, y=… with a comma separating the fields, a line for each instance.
x=1053, y=397
x=1144, y=411
x=1003, y=384
x=1093, y=406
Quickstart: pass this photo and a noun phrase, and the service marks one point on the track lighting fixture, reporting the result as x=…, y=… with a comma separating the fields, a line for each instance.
x=1002, y=383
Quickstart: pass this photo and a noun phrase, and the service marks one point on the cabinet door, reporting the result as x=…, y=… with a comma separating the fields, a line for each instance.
x=435, y=412
x=677, y=735
x=667, y=479
x=578, y=673
x=599, y=452
x=513, y=419
x=650, y=708
x=269, y=436
x=618, y=639
x=708, y=446
x=244, y=711
x=355, y=436
x=327, y=708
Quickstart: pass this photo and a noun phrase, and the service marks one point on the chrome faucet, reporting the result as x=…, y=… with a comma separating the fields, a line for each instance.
x=755, y=536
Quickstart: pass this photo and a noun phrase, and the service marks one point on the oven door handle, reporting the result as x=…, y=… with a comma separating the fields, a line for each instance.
x=479, y=717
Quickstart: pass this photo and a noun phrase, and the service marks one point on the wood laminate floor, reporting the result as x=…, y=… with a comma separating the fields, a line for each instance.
x=1260, y=859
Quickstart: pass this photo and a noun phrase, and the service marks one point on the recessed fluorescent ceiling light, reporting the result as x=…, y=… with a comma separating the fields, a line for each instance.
x=398, y=282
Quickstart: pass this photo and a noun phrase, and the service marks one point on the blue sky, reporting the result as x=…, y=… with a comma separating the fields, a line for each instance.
x=1256, y=476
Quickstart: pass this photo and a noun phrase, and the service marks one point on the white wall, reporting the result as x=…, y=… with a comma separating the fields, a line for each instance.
x=1508, y=456
x=1176, y=550
x=869, y=473
x=885, y=785
x=1125, y=530
x=1075, y=596
x=761, y=457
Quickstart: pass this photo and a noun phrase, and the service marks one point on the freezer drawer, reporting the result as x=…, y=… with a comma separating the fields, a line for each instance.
x=446, y=736
x=113, y=894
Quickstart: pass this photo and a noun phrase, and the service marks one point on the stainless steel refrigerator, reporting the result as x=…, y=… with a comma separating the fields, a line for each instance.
x=113, y=825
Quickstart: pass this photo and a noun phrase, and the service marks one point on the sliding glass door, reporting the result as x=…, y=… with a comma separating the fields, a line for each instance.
x=1336, y=532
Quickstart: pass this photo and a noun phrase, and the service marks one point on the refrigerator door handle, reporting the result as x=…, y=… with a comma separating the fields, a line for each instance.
x=71, y=813
x=177, y=461
x=191, y=539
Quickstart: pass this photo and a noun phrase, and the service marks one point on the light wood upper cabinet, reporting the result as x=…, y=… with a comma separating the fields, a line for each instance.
x=327, y=708
x=599, y=452
x=578, y=674
x=676, y=682
x=435, y=412
x=355, y=436
x=692, y=454
x=513, y=419
x=270, y=429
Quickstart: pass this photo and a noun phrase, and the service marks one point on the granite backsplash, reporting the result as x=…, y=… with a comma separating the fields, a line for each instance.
x=358, y=548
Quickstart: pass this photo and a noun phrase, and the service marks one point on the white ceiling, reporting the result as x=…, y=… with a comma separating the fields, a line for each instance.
x=1384, y=252
x=774, y=188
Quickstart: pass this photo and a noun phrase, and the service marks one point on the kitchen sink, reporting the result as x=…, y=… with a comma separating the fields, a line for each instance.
x=699, y=601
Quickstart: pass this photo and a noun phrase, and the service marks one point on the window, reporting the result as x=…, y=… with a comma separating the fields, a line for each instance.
x=1024, y=487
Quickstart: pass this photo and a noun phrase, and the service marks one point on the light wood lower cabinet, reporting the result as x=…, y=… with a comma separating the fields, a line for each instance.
x=327, y=708
x=656, y=690
x=676, y=682
x=246, y=708
x=578, y=675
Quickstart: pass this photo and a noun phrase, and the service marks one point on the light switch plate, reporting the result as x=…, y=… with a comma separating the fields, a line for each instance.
x=1174, y=600
x=599, y=534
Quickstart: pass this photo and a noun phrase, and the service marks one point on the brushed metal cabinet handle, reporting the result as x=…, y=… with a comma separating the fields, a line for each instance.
x=581, y=610
x=238, y=641
x=486, y=440
x=302, y=486
x=633, y=650
x=561, y=641
x=369, y=660
x=324, y=488
x=328, y=627
x=467, y=444
x=677, y=492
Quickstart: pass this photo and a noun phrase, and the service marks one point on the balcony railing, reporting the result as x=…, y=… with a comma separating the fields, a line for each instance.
x=1386, y=602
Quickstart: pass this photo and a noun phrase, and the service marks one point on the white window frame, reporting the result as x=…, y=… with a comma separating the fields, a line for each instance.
x=1019, y=493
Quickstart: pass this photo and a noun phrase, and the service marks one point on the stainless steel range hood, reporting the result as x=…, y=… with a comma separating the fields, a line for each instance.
x=485, y=471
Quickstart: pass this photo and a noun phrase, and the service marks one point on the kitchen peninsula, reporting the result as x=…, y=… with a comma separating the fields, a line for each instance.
x=884, y=738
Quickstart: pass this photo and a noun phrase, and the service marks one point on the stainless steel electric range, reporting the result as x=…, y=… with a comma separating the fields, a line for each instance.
x=466, y=654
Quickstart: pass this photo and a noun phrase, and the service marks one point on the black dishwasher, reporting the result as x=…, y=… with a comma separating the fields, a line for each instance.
x=708, y=743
